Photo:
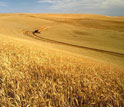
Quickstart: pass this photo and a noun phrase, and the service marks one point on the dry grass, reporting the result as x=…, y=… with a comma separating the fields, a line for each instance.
x=33, y=74
x=36, y=77
x=93, y=31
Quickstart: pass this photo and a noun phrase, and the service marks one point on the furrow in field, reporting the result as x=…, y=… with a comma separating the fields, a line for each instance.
x=35, y=36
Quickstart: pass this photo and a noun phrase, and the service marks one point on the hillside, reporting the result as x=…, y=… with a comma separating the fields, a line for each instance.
x=73, y=60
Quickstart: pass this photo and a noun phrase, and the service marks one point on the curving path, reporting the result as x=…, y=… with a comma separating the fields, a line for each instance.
x=35, y=36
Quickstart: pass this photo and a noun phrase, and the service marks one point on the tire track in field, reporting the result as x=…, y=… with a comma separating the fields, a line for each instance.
x=35, y=36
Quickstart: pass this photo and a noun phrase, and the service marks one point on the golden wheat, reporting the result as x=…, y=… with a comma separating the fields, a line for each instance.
x=36, y=73
x=38, y=77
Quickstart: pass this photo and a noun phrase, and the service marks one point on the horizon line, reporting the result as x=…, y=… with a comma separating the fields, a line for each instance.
x=60, y=13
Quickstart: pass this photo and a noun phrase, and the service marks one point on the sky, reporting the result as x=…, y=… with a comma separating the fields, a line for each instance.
x=103, y=7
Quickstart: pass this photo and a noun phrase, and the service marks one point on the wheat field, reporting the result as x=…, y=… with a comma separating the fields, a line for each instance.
x=49, y=69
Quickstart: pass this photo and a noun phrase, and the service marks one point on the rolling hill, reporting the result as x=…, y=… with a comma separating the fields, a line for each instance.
x=64, y=60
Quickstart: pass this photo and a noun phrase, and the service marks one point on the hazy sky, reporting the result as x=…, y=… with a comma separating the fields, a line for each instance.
x=105, y=7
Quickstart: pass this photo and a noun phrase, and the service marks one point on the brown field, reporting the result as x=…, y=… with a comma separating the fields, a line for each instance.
x=73, y=60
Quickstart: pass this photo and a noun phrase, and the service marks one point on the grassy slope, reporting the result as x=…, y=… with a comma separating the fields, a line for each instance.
x=94, y=31
x=33, y=74
x=41, y=76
